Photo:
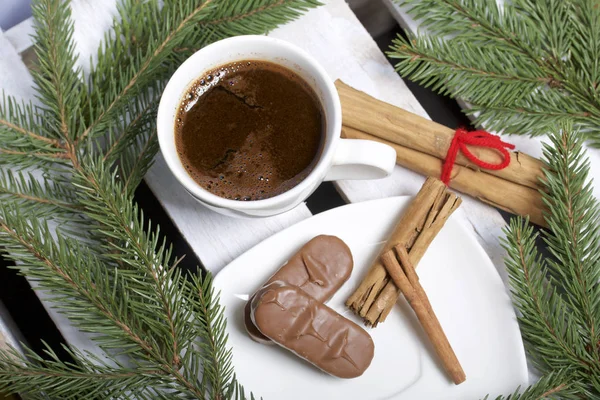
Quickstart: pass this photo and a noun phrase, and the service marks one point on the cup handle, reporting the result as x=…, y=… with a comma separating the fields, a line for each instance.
x=361, y=159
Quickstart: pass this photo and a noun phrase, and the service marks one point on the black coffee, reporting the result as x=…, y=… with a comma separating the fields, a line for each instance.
x=249, y=130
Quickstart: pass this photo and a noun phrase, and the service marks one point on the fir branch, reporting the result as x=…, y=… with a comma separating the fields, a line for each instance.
x=28, y=158
x=559, y=298
x=175, y=21
x=137, y=159
x=586, y=43
x=20, y=140
x=21, y=119
x=43, y=196
x=574, y=231
x=129, y=35
x=536, y=117
x=245, y=17
x=58, y=79
x=551, y=386
x=488, y=55
x=139, y=248
x=481, y=22
x=473, y=72
x=135, y=143
x=241, y=17
x=9, y=125
x=115, y=278
x=217, y=375
x=546, y=320
x=77, y=280
x=140, y=117
x=26, y=375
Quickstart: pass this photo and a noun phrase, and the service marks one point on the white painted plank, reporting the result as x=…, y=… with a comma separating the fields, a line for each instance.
x=15, y=79
x=20, y=35
x=348, y=52
x=216, y=239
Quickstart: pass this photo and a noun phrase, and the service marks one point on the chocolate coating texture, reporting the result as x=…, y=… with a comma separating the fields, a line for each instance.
x=311, y=330
x=319, y=269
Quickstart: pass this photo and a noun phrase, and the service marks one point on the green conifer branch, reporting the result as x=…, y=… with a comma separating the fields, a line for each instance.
x=19, y=121
x=551, y=386
x=137, y=159
x=43, y=196
x=85, y=380
x=139, y=248
x=487, y=55
x=58, y=80
x=115, y=279
x=140, y=117
x=25, y=139
x=574, y=233
x=78, y=281
x=174, y=22
x=559, y=299
x=256, y=16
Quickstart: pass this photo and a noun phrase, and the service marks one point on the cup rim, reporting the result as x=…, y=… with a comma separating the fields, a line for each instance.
x=176, y=85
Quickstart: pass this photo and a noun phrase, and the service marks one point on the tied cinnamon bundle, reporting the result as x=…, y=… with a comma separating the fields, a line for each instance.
x=423, y=219
x=421, y=145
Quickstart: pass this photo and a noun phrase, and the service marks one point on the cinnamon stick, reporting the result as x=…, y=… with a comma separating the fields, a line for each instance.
x=416, y=229
x=404, y=276
x=493, y=190
x=365, y=113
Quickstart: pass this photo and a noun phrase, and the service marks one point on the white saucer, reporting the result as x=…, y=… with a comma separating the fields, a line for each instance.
x=462, y=284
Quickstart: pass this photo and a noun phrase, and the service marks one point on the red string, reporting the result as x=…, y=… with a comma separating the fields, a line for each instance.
x=462, y=138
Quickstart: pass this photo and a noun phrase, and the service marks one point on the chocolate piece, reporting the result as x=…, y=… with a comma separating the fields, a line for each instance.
x=319, y=268
x=311, y=330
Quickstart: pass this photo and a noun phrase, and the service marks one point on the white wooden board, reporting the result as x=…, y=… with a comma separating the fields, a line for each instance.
x=348, y=52
x=337, y=39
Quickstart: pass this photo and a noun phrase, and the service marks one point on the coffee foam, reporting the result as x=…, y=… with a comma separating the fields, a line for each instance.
x=250, y=170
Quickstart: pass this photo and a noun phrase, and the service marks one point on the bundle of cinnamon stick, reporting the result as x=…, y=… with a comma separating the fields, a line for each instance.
x=421, y=145
x=392, y=272
x=423, y=219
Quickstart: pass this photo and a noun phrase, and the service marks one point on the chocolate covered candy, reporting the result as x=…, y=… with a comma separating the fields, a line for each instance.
x=311, y=330
x=319, y=268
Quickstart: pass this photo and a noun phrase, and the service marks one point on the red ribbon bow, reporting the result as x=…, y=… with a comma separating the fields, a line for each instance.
x=462, y=138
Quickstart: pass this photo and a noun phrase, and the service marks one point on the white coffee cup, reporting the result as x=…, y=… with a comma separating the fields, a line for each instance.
x=339, y=159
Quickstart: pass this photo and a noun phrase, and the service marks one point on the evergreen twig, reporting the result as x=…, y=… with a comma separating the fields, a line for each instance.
x=559, y=298
x=524, y=67
x=89, y=145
